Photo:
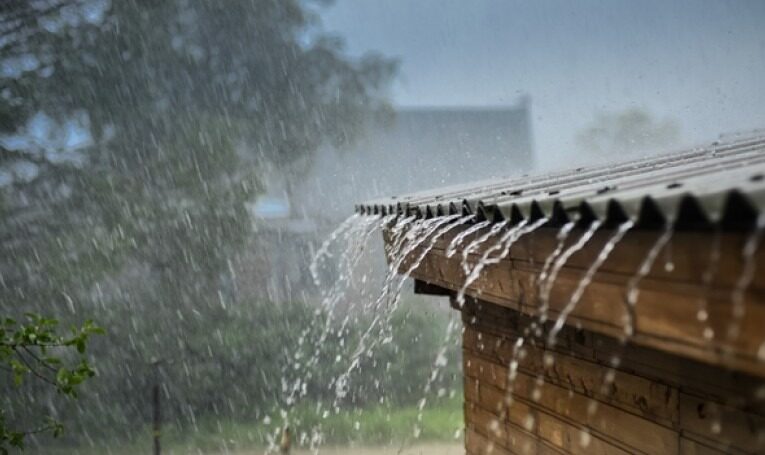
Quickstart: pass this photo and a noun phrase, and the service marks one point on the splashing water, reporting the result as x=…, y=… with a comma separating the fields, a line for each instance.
x=350, y=240
x=748, y=257
x=632, y=293
x=428, y=228
x=586, y=279
x=354, y=235
x=558, y=265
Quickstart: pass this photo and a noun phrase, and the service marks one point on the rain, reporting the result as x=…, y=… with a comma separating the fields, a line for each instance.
x=381, y=227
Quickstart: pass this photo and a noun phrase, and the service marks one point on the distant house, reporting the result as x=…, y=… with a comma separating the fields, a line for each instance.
x=421, y=148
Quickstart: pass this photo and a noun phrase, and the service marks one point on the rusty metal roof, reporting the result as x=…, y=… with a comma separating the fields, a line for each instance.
x=720, y=184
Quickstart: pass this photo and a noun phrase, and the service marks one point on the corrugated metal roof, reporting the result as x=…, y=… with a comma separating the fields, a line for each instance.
x=720, y=184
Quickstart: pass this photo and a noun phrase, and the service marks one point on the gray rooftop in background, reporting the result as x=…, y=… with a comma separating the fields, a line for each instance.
x=419, y=149
x=719, y=184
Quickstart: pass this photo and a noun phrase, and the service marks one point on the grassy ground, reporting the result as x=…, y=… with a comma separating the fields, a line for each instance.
x=376, y=431
x=433, y=448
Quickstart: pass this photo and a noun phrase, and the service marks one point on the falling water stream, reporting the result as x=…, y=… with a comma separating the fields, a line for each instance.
x=630, y=324
x=633, y=291
x=713, y=263
x=504, y=244
x=351, y=237
x=387, y=302
x=587, y=279
x=547, y=285
x=748, y=258
x=459, y=238
x=477, y=243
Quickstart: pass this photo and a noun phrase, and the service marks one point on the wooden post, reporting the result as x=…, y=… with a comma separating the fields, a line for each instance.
x=157, y=421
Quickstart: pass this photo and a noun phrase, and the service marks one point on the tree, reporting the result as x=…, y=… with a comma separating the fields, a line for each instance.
x=629, y=131
x=183, y=102
x=30, y=350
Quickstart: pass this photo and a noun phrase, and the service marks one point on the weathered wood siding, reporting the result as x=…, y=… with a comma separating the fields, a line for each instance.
x=559, y=402
x=669, y=299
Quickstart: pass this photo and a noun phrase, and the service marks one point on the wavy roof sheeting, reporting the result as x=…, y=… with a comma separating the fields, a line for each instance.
x=722, y=184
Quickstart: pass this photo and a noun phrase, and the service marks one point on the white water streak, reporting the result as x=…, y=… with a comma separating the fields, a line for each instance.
x=586, y=279
x=475, y=244
x=457, y=240
x=562, y=236
x=417, y=235
x=748, y=257
x=560, y=262
x=324, y=248
x=632, y=293
x=504, y=245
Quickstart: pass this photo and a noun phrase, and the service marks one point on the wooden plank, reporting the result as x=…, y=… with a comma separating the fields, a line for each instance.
x=512, y=430
x=689, y=253
x=497, y=326
x=630, y=392
x=641, y=434
x=573, y=440
x=719, y=424
x=691, y=447
x=478, y=444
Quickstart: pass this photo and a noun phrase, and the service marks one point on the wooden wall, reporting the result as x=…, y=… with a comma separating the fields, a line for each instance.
x=669, y=299
x=658, y=403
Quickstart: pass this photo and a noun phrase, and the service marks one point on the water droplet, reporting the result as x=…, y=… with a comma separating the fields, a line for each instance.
x=528, y=422
x=585, y=438
x=761, y=352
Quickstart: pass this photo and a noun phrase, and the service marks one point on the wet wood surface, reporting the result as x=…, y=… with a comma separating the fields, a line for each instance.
x=695, y=273
x=571, y=398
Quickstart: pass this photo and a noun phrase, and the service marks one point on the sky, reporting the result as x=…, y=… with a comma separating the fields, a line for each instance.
x=700, y=63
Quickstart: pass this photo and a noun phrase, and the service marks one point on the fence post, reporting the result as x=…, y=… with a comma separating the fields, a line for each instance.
x=157, y=414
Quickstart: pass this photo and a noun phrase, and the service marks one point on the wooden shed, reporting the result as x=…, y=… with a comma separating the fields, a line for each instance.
x=615, y=310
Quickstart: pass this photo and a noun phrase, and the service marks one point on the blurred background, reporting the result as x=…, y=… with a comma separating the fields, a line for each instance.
x=170, y=168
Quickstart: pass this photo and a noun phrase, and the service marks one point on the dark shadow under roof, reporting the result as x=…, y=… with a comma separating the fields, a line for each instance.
x=721, y=184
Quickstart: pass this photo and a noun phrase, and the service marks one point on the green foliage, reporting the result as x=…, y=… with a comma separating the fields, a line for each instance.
x=376, y=425
x=188, y=104
x=34, y=349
